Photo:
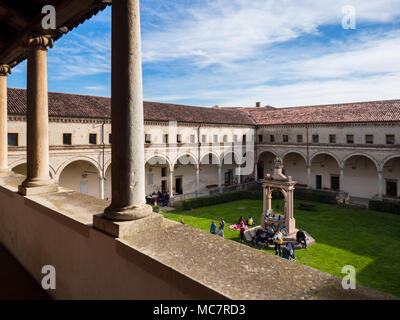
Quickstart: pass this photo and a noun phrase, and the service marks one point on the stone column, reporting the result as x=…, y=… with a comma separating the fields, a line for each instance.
x=128, y=166
x=341, y=179
x=197, y=187
x=309, y=177
x=380, y=185
x=101, y=187
x=5, y=70
x=289, y=218
x=37, y=177
x=220, y=176
x=171, y=184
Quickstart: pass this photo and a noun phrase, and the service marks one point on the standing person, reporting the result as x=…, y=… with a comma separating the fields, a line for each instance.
x=213, y=228
x=221, y=227
x=242, y=227
x=278, y=239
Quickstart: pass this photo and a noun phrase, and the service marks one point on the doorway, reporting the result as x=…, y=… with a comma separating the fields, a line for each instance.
x=391, y=188
x=178, y=186
x=229, y=178
x=318, y=182
x=164, y=186
x=335, y=183
x=260, y=172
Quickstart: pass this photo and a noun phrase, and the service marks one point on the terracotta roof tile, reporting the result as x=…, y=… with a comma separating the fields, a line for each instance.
x=73, y=105
x=373, y=111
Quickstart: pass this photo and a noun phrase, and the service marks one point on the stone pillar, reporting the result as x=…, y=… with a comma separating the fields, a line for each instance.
x=255, y=171
x=309, y=177
x=171, y=184
x=128, y=166
x=380, y=185
x=341, y=179
x=197, y=186
x=267, y=204
x=101, y=187
x=5, y=70
x=37, y=177
x=289, y=217
x=220, y=176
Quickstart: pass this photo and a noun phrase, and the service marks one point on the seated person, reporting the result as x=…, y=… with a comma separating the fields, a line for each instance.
x=268, y=214
x=250, y=221
x=301, y=238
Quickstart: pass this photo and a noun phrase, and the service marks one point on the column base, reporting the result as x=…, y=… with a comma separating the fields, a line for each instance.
x=128, y=214
x=120, y=229
x=30, y=191
x=6, y=173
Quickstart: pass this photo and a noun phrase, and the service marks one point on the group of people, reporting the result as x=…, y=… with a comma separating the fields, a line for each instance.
x=220, y=231
x=159, y=198
x=273, y=235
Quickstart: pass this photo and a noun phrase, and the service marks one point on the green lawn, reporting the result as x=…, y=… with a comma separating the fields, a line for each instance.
x=367, y=240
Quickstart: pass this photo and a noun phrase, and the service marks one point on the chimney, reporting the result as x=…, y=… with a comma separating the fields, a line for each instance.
x=258, y=104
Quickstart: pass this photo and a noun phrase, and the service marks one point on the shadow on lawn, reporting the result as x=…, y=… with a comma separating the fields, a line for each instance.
x=357, y=233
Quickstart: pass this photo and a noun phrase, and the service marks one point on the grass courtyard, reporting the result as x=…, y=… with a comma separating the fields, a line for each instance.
x=367, y=240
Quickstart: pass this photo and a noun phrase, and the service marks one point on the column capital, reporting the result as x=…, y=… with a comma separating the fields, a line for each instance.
x=5, y=70
x=38, y=41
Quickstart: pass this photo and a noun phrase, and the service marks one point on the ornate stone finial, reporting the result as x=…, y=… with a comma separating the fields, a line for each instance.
x=278, y=163
x=5, y=70
x=42, y=41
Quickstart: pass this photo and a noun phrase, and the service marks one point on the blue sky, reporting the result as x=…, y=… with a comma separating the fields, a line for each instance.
x=236, y=52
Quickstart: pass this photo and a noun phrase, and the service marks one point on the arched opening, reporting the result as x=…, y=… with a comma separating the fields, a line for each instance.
x=325, y=172
x=360, y=177
x=157, y=175
x=22, y=168
x=265, y=164
x=81, y=176
x=391, y=177
x=296, y=167
x=184, y=181
x=209, y=173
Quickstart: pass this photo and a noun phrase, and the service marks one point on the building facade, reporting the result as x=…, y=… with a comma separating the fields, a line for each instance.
x=194, y=151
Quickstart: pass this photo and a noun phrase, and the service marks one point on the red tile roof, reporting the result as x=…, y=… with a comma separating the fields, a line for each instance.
x=73, y=105
x=373, y=111
x=82, y=106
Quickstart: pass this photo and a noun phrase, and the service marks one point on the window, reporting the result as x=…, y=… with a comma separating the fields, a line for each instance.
x=235, y=139
x=332, y=138
x=67, y=138
x=260, y=138
x=285, y=138
x=215, y=138
x=369, y=139
x=109, y=138
x=204, y=138
x=165, y=139
x=192, y=138
x=299, y=138
x=13, y=139
x=163, y=172
x=271, y=138
x=93, y=138
x=225, y=138
x=350, y=138
x=147, y=138
x=315, y=138
x=390, y=139
x=178, y=138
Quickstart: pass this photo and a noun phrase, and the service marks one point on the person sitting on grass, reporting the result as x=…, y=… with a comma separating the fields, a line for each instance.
x=213, y=228
x=250, y=221
x=301, y=237
x=278, y=239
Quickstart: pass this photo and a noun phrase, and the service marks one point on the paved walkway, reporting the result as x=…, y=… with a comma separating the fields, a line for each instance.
x=15, y=282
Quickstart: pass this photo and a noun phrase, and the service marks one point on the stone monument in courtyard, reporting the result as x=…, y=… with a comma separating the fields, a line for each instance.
x=278, y=181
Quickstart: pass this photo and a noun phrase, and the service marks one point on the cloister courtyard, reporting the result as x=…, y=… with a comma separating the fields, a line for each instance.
x=365, y=239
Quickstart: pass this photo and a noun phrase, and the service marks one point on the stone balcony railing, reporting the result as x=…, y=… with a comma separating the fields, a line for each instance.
x=173, y=261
